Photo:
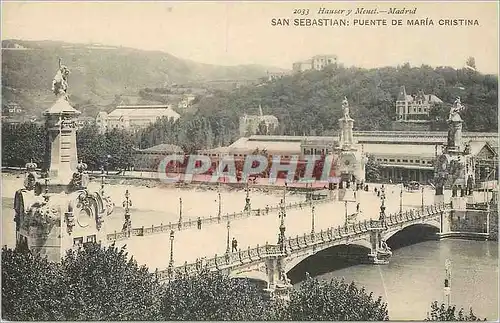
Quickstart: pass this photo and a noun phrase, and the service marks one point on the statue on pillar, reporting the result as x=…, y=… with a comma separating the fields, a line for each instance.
x=345, y=108
x=60, y=81
x=457, y=107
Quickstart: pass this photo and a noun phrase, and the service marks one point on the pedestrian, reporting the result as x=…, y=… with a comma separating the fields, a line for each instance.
x=357, y=208
x=234, y=245
x=199, y=223
x=267, y=209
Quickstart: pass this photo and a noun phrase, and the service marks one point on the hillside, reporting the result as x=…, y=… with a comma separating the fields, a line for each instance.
x=309, y=103
x=99, y=73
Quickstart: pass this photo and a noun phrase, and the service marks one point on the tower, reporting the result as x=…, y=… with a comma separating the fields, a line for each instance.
x=454, y=168
x=61, y=157
x=351, y=161
x=56, y=211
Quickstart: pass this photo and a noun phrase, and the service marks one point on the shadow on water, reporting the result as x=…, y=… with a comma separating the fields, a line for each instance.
x=412, y=235
x=329, y=260
x=344, y=256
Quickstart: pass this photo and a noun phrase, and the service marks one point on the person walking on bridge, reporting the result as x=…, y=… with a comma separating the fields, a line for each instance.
x=234, y=245
x=199, y=223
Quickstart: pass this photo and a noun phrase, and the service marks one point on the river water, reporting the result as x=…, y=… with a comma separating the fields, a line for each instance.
x=415, y=277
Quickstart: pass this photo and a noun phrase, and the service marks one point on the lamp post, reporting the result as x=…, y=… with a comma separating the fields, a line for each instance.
x=312, y=216
x=401, y=200
x=247, y=199
x=281, y=239
x=102, y=178
x=227, y=242
x=171, y=262
x=346, y=216
x=312, y=211
x=382, y=208
x=126, y=205
x=219, y=213
x=180, y=213
x=422, y=198
x=108, y=157
x=447, y=281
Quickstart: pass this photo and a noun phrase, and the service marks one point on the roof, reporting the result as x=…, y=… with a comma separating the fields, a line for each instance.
x=61, y=106
x=266, y=117
x=398, y=149
x=217, y=150
x=163, y=148
x=433, y=98
x=141, y=111
x=245, y=146
x=477, y=146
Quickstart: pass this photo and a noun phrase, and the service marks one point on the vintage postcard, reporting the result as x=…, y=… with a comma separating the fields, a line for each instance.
x=249, y=161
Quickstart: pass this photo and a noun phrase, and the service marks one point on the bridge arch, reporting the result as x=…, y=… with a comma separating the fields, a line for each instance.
x=363, y=245
x=252, y=275
x=432, y=224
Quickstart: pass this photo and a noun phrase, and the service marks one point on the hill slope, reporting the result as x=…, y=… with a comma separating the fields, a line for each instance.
x=98, y=73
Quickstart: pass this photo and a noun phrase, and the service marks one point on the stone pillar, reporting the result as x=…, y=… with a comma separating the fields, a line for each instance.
x=379, y=254
x=341, y=132
x=61, y=157
x=445, y=222
x=278, y=282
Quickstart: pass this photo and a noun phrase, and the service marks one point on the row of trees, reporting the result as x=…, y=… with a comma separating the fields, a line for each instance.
x=103, y=284
x=25, y=142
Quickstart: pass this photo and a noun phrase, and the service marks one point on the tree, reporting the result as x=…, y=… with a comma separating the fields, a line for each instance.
x=332, y=301
x=119, y=145
x=449, y=313
x=471, y=62
x=91, y=146
x=213, y=297
x=31, y=288
x=103, y=284
x=23, y=143
x=372, y=169
x=90, y=284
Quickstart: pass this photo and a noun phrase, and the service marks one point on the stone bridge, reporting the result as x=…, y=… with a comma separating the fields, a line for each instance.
x=270, y=263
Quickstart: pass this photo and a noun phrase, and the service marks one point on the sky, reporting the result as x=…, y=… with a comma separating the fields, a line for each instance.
x=231, y=33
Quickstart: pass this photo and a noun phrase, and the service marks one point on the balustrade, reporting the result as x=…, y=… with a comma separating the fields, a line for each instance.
x=259, y=252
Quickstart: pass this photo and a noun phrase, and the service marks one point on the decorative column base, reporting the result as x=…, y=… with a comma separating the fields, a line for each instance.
x=380, y=257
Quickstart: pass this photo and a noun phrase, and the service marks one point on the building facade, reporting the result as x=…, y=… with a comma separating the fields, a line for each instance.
x=415, y=108
x=133, y=117
x=249, y=124
x=317, y=62
x=271, y=76
x=400, y=155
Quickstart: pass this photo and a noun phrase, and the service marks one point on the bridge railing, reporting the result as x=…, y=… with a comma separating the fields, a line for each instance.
x=192, y=222
x=427, y=211
x=299, y=242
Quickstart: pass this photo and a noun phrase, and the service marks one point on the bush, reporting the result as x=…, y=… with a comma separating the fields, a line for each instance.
x=444, y=313
x=213, y=297
x=332, y=301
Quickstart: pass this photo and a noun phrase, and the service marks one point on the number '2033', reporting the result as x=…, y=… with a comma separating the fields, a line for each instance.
x=301, y=12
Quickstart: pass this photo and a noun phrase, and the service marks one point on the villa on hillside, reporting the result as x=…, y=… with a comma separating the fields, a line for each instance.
x=415, y=108
x=317, y=62
x=134, y=116
x=249, y=124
